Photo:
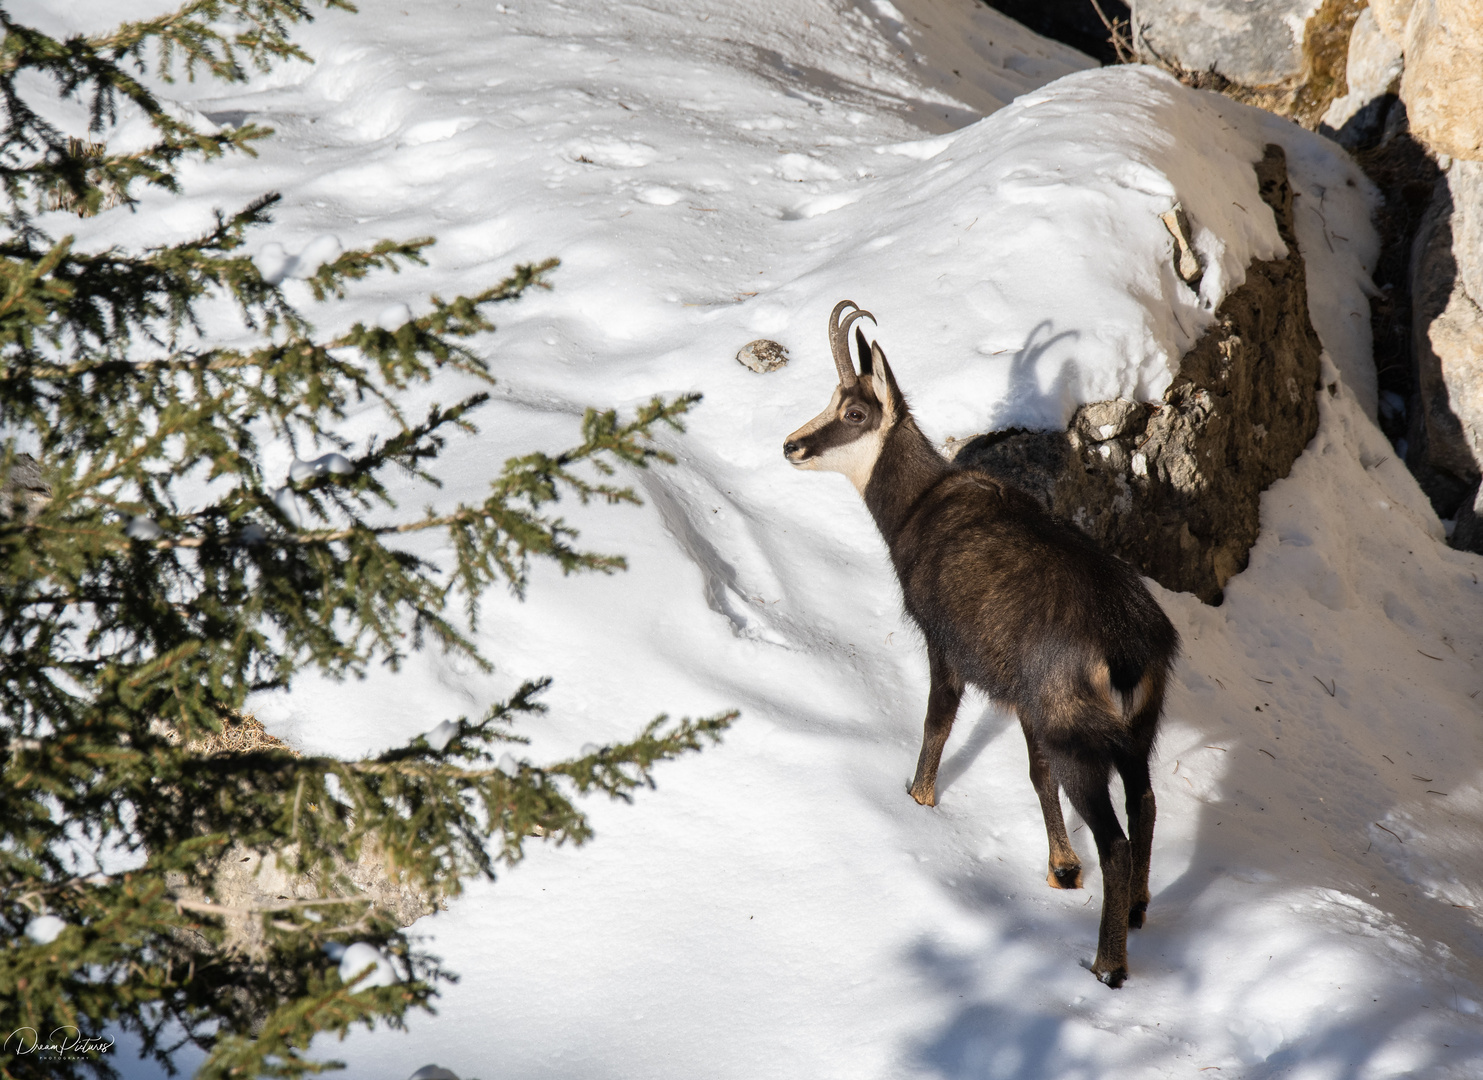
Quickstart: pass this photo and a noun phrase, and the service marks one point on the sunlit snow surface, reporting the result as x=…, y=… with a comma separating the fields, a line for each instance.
x=713, y=173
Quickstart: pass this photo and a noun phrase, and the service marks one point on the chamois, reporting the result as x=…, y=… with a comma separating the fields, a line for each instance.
x=1021, y=605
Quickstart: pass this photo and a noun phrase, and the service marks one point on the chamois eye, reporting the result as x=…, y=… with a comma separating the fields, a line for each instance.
x=855, y=415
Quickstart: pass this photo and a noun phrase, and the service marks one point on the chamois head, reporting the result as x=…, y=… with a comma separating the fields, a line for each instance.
x=847, y=436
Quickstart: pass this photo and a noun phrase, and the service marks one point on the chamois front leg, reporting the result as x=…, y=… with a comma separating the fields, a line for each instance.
x=1065, y=867
x=942, y=709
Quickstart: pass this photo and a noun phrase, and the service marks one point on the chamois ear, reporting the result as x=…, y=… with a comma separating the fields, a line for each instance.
x=863, y=348
x=883, y=382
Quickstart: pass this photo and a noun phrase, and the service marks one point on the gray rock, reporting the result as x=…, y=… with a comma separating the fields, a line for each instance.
x=1445, y=436
x=1174, y=486
x=1443, y=82
x=243, y=880
x=240, y=882
x=24, y=490
x=1465, y=183
x=762, y=356
x=1372, y=74
x=1252, y=42
x=1103, y=420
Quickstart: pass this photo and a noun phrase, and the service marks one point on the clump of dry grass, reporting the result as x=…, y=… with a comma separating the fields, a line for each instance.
x=241, y=733
x=83, y=154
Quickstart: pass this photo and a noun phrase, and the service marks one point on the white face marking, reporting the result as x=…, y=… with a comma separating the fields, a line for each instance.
x=856, y=458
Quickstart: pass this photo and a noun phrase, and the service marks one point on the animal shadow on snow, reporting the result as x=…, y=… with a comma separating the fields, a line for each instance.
x=1024, y=391
x=991, y=723
x=1044, y=1036
x=1041, y=1026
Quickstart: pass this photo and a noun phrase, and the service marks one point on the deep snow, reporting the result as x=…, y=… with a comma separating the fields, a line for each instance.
x=712, y=173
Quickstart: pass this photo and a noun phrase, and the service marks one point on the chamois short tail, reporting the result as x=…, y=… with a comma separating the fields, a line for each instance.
x=1127, y=691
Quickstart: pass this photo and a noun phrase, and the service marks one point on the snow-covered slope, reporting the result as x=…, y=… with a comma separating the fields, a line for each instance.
x=712, y=173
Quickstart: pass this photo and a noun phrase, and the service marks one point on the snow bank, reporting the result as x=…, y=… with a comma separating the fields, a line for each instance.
x=1001, y=237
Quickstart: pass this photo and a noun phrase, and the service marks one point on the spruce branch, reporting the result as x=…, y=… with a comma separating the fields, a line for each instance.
x=153, y=576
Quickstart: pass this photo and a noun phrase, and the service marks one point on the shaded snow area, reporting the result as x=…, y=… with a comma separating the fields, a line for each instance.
x=713, y=173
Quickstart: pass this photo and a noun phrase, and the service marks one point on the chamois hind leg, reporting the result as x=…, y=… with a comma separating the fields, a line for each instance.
x=1065, y=867
x=1086, y=785
x=942, y=709
x=1141, y=814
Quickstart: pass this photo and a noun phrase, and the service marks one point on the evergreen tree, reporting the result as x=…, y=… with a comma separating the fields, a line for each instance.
x=152, y=577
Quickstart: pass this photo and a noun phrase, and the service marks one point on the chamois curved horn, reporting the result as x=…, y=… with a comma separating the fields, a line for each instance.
x=839, y=345
x=839, y=339
x=844, y=336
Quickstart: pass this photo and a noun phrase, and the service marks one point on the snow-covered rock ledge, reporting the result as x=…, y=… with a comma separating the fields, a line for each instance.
x=1175, y=486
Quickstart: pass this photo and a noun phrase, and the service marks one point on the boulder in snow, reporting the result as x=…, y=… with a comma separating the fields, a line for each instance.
x=762, y=356
x=23, y=490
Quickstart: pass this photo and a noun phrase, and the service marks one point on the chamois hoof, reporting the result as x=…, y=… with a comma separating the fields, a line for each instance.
x=925, y=796
x=1064, y=877
x=1135, y=916
x=1114, y=978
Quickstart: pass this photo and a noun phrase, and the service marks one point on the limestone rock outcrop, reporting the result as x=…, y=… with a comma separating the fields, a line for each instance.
x=1440, y=110
x=1443, y=81
x=1391, y=16
x=1399, y=83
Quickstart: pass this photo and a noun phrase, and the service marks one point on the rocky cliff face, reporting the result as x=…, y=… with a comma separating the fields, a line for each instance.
x=1174, y=487
x=1445, y=435
x=1400, y=84
x=1433, y=115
